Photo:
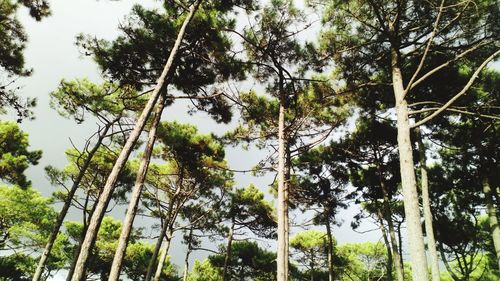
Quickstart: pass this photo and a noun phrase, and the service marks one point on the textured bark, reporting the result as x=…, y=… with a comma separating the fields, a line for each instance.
x=492, y=218
x=127, y=149
x=408, y=181
x=67, y=204
x=426, y=203
x=128, y=222
x=330, y=248
x=228, y=251
x=282, y=253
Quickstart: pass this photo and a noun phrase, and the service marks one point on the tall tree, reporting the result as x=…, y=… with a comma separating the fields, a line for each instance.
x=392, y=41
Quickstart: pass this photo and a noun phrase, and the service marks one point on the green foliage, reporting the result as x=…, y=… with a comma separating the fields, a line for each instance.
x=136, y=258
x=311, y=248
x=15, y=157
x=363, y=261
x=249, y=209
x=12, y=44
x=73, y=99
x=248, y=262
x=205, y=271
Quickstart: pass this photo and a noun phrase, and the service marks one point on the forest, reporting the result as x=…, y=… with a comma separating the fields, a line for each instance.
x=387, y=108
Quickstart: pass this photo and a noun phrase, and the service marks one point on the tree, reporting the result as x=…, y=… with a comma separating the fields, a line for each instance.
x=247, y=209
x=15, y=157
x=392, y=41
x=248, y=262
x=364, y=261
x=12, y=44
x=311, y=247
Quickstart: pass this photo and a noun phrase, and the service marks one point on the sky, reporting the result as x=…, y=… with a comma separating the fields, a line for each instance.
x=52, y=54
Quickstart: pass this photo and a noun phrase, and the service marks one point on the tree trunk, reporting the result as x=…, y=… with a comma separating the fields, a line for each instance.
x=228, y=251
x=398, y=264
x=282, y=257
x=188, y=253
x=492, y=218
x=164, y=254
x=136, y=194
x=67, y=204
x=127, y=149
x=385, y=236
x=156, y=250
x=408, y=181
x=330, y=247
x=426, y=203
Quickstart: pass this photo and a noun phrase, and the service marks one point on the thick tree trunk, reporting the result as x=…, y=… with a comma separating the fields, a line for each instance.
x=426, y=203
x=127, y=149
x=330, y=248
x=128, y=222
x=408, y=181
x=164, y=255
x=282, y=256
x=67, y=204
x=492, y=218
x=228, y=251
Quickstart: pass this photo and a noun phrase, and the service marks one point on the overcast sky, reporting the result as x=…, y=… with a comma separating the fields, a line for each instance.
x=52, y=54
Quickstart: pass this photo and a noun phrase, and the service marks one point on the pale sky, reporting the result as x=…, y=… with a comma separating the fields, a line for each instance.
x=52, y=54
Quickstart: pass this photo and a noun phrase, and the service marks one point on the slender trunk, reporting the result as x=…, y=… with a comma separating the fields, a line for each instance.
x=67, y=204
x=136, y=194
x=387, y=216
x=282, y=257
x=330, y=247
x=400, y=252
x=447, y=265
x=426, y=203
x=188, y=253
x=390, y=261
x=228, y=250
x=408, y=181
x=311, y=264
x=398, y=264
x=492, y=218
x=164, y=255
x=288, y=165
x=127, y=149
x=156, y=250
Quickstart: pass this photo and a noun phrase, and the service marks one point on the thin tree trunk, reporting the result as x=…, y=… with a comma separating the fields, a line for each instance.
x=330, y=247
x=408, y=181
x=426, y=203
x=228, y=250
x=387, y=216
x=127, y=149
x=492, y=218
x=67, y=204
x=385, y=236
x=156, y=250
x=164, y=254
x=282, y=257
x=128, y=222
x=188, y=253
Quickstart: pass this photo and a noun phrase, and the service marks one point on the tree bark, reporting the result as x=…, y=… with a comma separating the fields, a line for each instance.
x=282, y=257
x=127, y=149
x=330, y=248
x=408, y=181
x=426, y=203
x=128, y=222
x=67, y=204
x=228, y=250
x=492, y=218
